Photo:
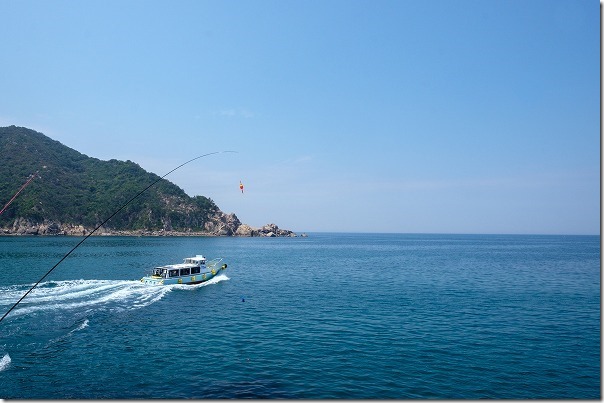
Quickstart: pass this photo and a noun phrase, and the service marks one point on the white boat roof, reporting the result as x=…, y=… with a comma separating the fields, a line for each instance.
x=196, y=258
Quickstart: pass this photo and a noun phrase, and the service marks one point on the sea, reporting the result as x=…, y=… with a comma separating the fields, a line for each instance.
x=327, y=316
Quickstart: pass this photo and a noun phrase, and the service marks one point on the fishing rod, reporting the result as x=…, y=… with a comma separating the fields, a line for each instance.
x=100, y=225
x=29, y=179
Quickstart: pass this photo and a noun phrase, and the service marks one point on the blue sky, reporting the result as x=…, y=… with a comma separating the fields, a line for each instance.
x=358, y=116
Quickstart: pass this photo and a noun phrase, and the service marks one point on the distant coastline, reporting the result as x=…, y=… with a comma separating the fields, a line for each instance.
x=27, y=228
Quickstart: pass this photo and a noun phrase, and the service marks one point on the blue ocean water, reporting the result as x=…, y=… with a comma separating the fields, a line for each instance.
x=354, y=316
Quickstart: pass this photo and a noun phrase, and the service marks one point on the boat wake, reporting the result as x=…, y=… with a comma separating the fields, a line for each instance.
x=214, y=280
x=114, y=295
x=4, y=362
x=62, y=309
x=81, y=326
x=79, y=294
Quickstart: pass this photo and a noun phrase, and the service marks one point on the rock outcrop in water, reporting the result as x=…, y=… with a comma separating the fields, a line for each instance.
x=269, y=230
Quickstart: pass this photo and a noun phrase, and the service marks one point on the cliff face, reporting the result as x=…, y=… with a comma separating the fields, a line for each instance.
x=72, y=194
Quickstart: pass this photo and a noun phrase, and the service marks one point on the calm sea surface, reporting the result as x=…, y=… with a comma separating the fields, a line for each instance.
x=355, y=316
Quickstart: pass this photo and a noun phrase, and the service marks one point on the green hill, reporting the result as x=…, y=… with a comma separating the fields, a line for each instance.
x=77, y=190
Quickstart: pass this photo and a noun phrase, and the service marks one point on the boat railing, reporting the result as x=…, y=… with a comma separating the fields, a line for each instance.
x=214, y=262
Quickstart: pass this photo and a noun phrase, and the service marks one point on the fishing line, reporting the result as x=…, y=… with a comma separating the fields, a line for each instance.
x=100, y=225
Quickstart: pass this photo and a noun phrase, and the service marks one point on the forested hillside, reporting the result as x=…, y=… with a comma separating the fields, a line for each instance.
x=72, y=188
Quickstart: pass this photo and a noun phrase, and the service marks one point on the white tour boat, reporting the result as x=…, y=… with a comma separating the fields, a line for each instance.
x=193, y=270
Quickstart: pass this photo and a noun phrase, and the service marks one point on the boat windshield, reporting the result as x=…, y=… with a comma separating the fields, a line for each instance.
x=157, y=272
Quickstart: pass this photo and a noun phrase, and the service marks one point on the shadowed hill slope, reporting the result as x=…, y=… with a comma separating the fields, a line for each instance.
x=74, y=190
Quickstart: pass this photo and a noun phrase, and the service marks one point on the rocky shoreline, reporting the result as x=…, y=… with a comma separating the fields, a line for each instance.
x=221, y=225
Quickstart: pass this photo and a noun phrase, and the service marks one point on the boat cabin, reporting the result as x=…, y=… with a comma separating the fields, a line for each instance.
x=191, y=265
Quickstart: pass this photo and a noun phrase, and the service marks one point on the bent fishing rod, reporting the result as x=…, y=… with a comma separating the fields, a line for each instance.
x=29, y=179
x=100, y=225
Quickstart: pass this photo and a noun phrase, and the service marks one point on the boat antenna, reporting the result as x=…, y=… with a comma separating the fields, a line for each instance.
x=100, y=225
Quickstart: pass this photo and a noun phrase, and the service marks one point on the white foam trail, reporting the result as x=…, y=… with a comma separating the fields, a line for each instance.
x=5, y=362
x=213, y=280
x=76, y=294
x=94, y=294
x=82, y=326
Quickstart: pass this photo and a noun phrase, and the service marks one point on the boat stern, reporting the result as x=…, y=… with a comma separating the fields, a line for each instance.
x=152, y=280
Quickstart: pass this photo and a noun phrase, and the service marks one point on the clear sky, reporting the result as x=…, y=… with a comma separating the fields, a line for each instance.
x=356, y=116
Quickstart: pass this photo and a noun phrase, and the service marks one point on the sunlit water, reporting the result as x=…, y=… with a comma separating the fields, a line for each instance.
x=328, y=316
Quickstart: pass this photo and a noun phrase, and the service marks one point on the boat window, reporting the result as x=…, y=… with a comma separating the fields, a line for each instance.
x=185, y=272
x=157, y=272
x=195, y=270
x=174, y=273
